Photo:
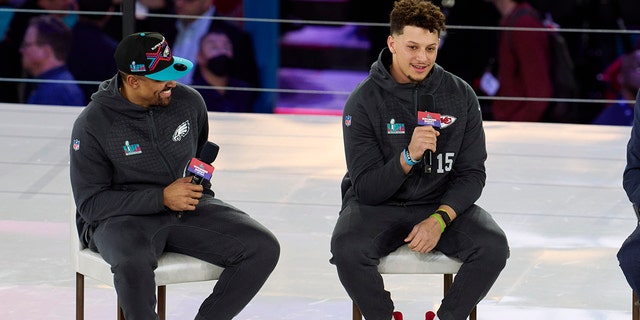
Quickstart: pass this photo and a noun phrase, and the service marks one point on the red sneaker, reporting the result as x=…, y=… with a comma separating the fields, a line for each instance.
x=430, y=315
x=397, y=315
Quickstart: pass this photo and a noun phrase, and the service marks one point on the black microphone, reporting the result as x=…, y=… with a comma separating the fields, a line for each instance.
x=426, y=102
x=201, y=168
x=209, y=152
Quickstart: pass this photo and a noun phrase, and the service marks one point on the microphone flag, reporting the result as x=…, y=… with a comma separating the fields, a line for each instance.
x=426, y=118
x=200, y=170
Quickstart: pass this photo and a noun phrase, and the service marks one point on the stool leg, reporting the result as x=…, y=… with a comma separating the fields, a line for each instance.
x=120, y=313
x=357, y=315
x=162, y=302
x=79, y=296
x=448, y=281
x=472, y=316
x=635, y=308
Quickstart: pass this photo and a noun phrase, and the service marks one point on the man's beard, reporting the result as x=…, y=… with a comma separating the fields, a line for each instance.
x=164, y=102
x=414, y=80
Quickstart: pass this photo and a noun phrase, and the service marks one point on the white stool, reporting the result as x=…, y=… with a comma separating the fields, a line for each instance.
x=173, y=268
x=405, y=261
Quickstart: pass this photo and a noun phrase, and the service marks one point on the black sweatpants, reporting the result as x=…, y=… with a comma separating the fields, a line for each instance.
x=363, y=234
x=215, y=232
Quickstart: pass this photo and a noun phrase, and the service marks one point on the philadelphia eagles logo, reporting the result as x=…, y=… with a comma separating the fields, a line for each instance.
x=181, y=131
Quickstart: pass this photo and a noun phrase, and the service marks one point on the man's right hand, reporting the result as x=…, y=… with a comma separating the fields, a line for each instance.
x=424, y=138
x=182, y=195
x=424, y=236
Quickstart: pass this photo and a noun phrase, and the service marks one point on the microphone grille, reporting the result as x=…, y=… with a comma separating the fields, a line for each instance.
x=209, y=152
x=426, y=102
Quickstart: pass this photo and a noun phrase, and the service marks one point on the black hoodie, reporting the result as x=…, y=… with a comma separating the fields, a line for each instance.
x=123, y=155
x=378, y=121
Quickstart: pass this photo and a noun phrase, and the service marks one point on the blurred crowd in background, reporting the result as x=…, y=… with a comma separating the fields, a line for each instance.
x=60, y=60
x=75, y=50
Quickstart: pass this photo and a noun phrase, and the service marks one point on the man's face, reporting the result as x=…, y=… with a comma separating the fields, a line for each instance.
x=414, y=54
x=151, y=92
x=33, y=53
x=213, y=45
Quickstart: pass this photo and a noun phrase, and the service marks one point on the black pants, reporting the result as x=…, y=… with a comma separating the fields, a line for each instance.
x=215, y=232
x=364, y=234
x=629, y=258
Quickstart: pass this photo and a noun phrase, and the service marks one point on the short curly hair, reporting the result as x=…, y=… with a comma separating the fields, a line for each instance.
x=417, y=13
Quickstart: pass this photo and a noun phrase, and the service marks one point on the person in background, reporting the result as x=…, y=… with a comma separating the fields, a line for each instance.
x=10, y=66
x=128, y=152
x=185, y=33
x=44, y=51
x=215, y=63
x=456, y=44
x=626, y=84
x=629, y=253
x=414, y=184
x=142, y=20
x=523, y=64
x=91, y=54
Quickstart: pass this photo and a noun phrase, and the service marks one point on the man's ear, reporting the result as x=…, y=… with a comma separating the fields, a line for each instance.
x=132, y=81
x=391, y=44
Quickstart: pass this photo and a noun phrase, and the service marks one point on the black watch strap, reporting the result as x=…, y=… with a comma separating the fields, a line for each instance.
x=445, y=216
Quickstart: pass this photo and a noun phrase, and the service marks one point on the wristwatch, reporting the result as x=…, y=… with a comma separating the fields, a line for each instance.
x=445, y=216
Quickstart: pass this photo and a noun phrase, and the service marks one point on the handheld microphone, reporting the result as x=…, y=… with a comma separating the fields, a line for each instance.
x=209, y=152
x=427, y=102
x=201, y=168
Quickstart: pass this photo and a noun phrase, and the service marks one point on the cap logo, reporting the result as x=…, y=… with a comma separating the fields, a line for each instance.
x=137, y=67
x=160, y=52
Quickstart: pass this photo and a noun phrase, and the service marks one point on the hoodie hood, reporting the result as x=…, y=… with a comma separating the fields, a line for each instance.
x=108, y=95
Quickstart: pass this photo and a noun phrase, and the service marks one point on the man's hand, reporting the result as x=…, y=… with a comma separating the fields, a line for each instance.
x=424, y=138
x=424, y=236
x=182, y=195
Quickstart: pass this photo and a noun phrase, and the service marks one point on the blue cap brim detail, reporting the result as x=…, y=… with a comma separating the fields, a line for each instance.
x=178, y=69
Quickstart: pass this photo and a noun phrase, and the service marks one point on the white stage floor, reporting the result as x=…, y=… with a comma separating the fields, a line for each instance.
x=555, y=189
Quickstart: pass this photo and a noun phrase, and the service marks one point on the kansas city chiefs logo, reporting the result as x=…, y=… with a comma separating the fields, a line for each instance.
x=446, y=120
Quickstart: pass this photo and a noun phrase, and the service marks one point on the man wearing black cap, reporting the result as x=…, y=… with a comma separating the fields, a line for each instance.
x=128, y=152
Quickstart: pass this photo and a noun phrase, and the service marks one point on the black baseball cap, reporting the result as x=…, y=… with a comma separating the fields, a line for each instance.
x=148, y=54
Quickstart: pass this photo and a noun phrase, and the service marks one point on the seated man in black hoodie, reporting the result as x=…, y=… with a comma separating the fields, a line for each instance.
x=414, y=177
x=128, y=154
